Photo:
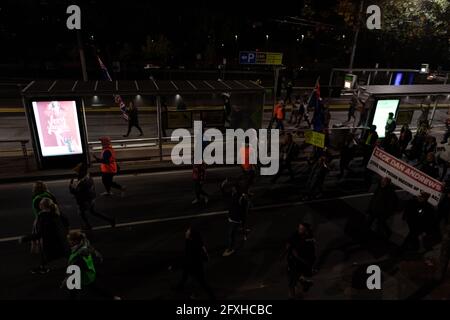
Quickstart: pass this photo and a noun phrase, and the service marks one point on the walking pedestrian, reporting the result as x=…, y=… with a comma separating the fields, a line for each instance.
x=289, y=88
x=369, y=140
x=352, y=109
x=238, y=202
x=108, y=167
x=85, y=257
x=391, y=124
x=317, y=177
x=347, y=153
x=198, y=176
x=83, y=190
x=194, y=259
x=248, y=169
x=280, y=115
x=48, y=236
x=429, y=166
x=40, y=191
x=288, y=152
x=303, y=112
x=133, y=119
x=382, y=206
x=419, y=215
x=405, y=138
x=443, y=158
x=300, y=255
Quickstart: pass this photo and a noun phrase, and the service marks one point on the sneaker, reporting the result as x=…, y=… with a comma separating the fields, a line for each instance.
x=206, y=200
x=228, y=253
x=307, y=284
x=106, y=193
x=195, y=201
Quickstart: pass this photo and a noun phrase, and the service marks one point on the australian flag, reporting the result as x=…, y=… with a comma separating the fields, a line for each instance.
x=117, y=98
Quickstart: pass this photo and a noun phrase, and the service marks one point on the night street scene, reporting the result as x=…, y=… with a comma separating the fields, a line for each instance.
x=232, y=153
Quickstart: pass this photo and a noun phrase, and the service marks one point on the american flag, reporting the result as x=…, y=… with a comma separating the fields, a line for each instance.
x=117, y=98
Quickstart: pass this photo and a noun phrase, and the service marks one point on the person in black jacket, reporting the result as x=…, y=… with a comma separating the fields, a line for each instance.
x=195, y=256
x=429, y=166
x=133, y=119
x=239, y=202
x=50, y=231
x=84, y=191
x=300, y=256
x=382, y=206
x=420, y=217
x=288, y=153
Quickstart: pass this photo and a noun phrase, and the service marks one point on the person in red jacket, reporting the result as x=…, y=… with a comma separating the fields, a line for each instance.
x=198, y=176
x=108, y=167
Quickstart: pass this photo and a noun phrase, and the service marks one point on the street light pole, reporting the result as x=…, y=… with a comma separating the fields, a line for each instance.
x=355, y=39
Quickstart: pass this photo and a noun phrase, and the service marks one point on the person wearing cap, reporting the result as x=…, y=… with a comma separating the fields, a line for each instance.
x=108, y=167
x=83, y=190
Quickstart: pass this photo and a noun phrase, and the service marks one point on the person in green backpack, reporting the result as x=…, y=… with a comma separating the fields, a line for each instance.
x=85, y=256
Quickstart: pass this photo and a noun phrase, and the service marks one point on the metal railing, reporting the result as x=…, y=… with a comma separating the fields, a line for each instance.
x=23, y=144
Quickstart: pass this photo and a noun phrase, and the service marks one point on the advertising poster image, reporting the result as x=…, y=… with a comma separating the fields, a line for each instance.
x=57, y=127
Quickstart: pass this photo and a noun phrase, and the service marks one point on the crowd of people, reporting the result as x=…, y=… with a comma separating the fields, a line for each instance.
x=52, y=239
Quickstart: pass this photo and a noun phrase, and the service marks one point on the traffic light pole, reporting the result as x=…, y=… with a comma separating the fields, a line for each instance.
x=355, y=39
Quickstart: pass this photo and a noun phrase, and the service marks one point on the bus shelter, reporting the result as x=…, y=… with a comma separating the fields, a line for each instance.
x=403, y=101
x=56, y=110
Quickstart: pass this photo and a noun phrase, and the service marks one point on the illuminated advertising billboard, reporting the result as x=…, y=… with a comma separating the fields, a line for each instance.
x=382, y=110
x=57, y=128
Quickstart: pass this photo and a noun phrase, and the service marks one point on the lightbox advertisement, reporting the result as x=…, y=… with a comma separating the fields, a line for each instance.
x=57, y=127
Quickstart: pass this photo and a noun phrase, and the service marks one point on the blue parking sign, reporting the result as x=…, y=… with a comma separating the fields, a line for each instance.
x=247, y=57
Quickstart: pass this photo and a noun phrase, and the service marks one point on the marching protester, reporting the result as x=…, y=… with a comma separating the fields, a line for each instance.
x=48, y=237
x=83, y=255
x=419, y=215
x=347, y=153
x=391, y=145
x=429, y=166
x=238, y=205
x=352, y=109
x=443, y=158
x=300, y=255
x=391, y=124
x=83, y=190
x=288, y=152
x=369, y=141
x=133, y=119
x=316, y=178
x=303, y=112
x=248, y=169
x=198, y=176
x=279, y=114
x=289, y=88
x=404, y=139
x=295, y=111
x=108, y=167
x=382, y=206
x=40, y=191
x=193, y=263
x=447, y=131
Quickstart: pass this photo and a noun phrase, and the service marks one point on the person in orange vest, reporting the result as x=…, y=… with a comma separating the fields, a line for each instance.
x=247, y=167
x=279, y=114
x=108, y=167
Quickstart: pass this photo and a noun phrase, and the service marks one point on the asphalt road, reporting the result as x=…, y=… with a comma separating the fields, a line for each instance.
x=142, y=253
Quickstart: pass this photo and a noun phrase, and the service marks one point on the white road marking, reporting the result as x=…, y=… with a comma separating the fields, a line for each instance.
x=214, y=213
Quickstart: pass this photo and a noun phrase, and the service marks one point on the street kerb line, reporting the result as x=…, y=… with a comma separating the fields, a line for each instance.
x=210, y=214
